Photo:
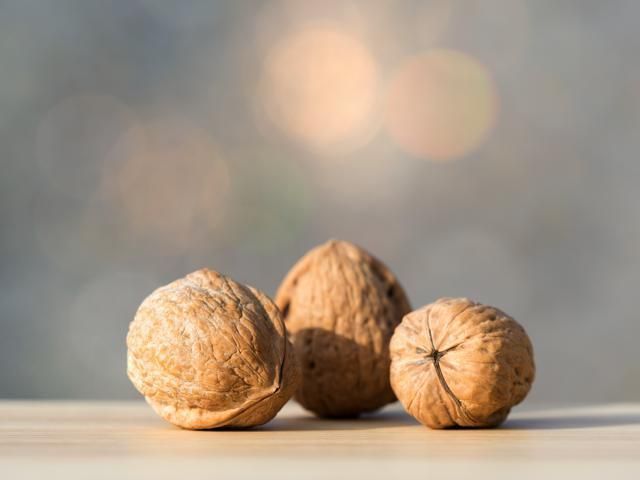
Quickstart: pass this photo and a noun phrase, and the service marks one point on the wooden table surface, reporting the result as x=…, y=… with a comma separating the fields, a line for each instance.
x=127, y=440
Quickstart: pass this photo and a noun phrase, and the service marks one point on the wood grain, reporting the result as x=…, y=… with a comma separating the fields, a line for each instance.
x=127, y=440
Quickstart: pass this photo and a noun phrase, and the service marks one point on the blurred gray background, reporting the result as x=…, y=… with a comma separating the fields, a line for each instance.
x=486, y=149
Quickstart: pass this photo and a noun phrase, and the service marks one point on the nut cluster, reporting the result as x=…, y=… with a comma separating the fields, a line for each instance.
x=207, y=352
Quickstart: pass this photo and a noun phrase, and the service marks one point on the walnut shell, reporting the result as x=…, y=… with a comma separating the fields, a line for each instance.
x=341, y=306
x=459, y=363
x=207, y=352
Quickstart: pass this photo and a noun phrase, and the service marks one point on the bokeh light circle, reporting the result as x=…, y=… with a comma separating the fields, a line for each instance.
x=440, y=105
x=319, y=86
x=168, y=183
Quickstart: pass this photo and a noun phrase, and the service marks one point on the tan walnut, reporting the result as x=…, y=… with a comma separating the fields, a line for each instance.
x=341, y=306
x=207, y=352
x=460, y=363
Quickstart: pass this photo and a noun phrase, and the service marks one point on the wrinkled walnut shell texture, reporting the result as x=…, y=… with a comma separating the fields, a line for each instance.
x=459, y=363
x=207, y=352
x=341, y=306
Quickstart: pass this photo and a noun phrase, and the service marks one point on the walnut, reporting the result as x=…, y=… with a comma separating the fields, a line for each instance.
x=207, y=352
x=457, y=362
x=341, y=306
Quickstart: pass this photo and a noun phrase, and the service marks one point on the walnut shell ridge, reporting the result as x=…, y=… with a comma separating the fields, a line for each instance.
x=341, y=306
x=207, y=352
x=459, y=363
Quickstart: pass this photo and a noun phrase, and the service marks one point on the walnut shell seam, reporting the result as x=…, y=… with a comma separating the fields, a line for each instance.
x=184, y=355
x=239, y=411
x=482, y=364
x=435, y=357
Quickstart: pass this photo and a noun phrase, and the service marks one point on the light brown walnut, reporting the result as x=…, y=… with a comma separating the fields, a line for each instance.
x=207, y=352
x=459, y=363
x=341, y=306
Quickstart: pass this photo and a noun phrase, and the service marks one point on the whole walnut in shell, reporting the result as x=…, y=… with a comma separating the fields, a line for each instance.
x=207, y=352
x=460, y=363
x=341, y=306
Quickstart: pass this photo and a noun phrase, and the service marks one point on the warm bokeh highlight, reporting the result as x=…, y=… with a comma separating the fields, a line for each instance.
x=440, y=105
x=319, y=86
x=168, y=183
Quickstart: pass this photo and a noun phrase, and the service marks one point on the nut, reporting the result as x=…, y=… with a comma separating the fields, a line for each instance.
x=457, y=362
x=207, y=352
x=341, y=306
